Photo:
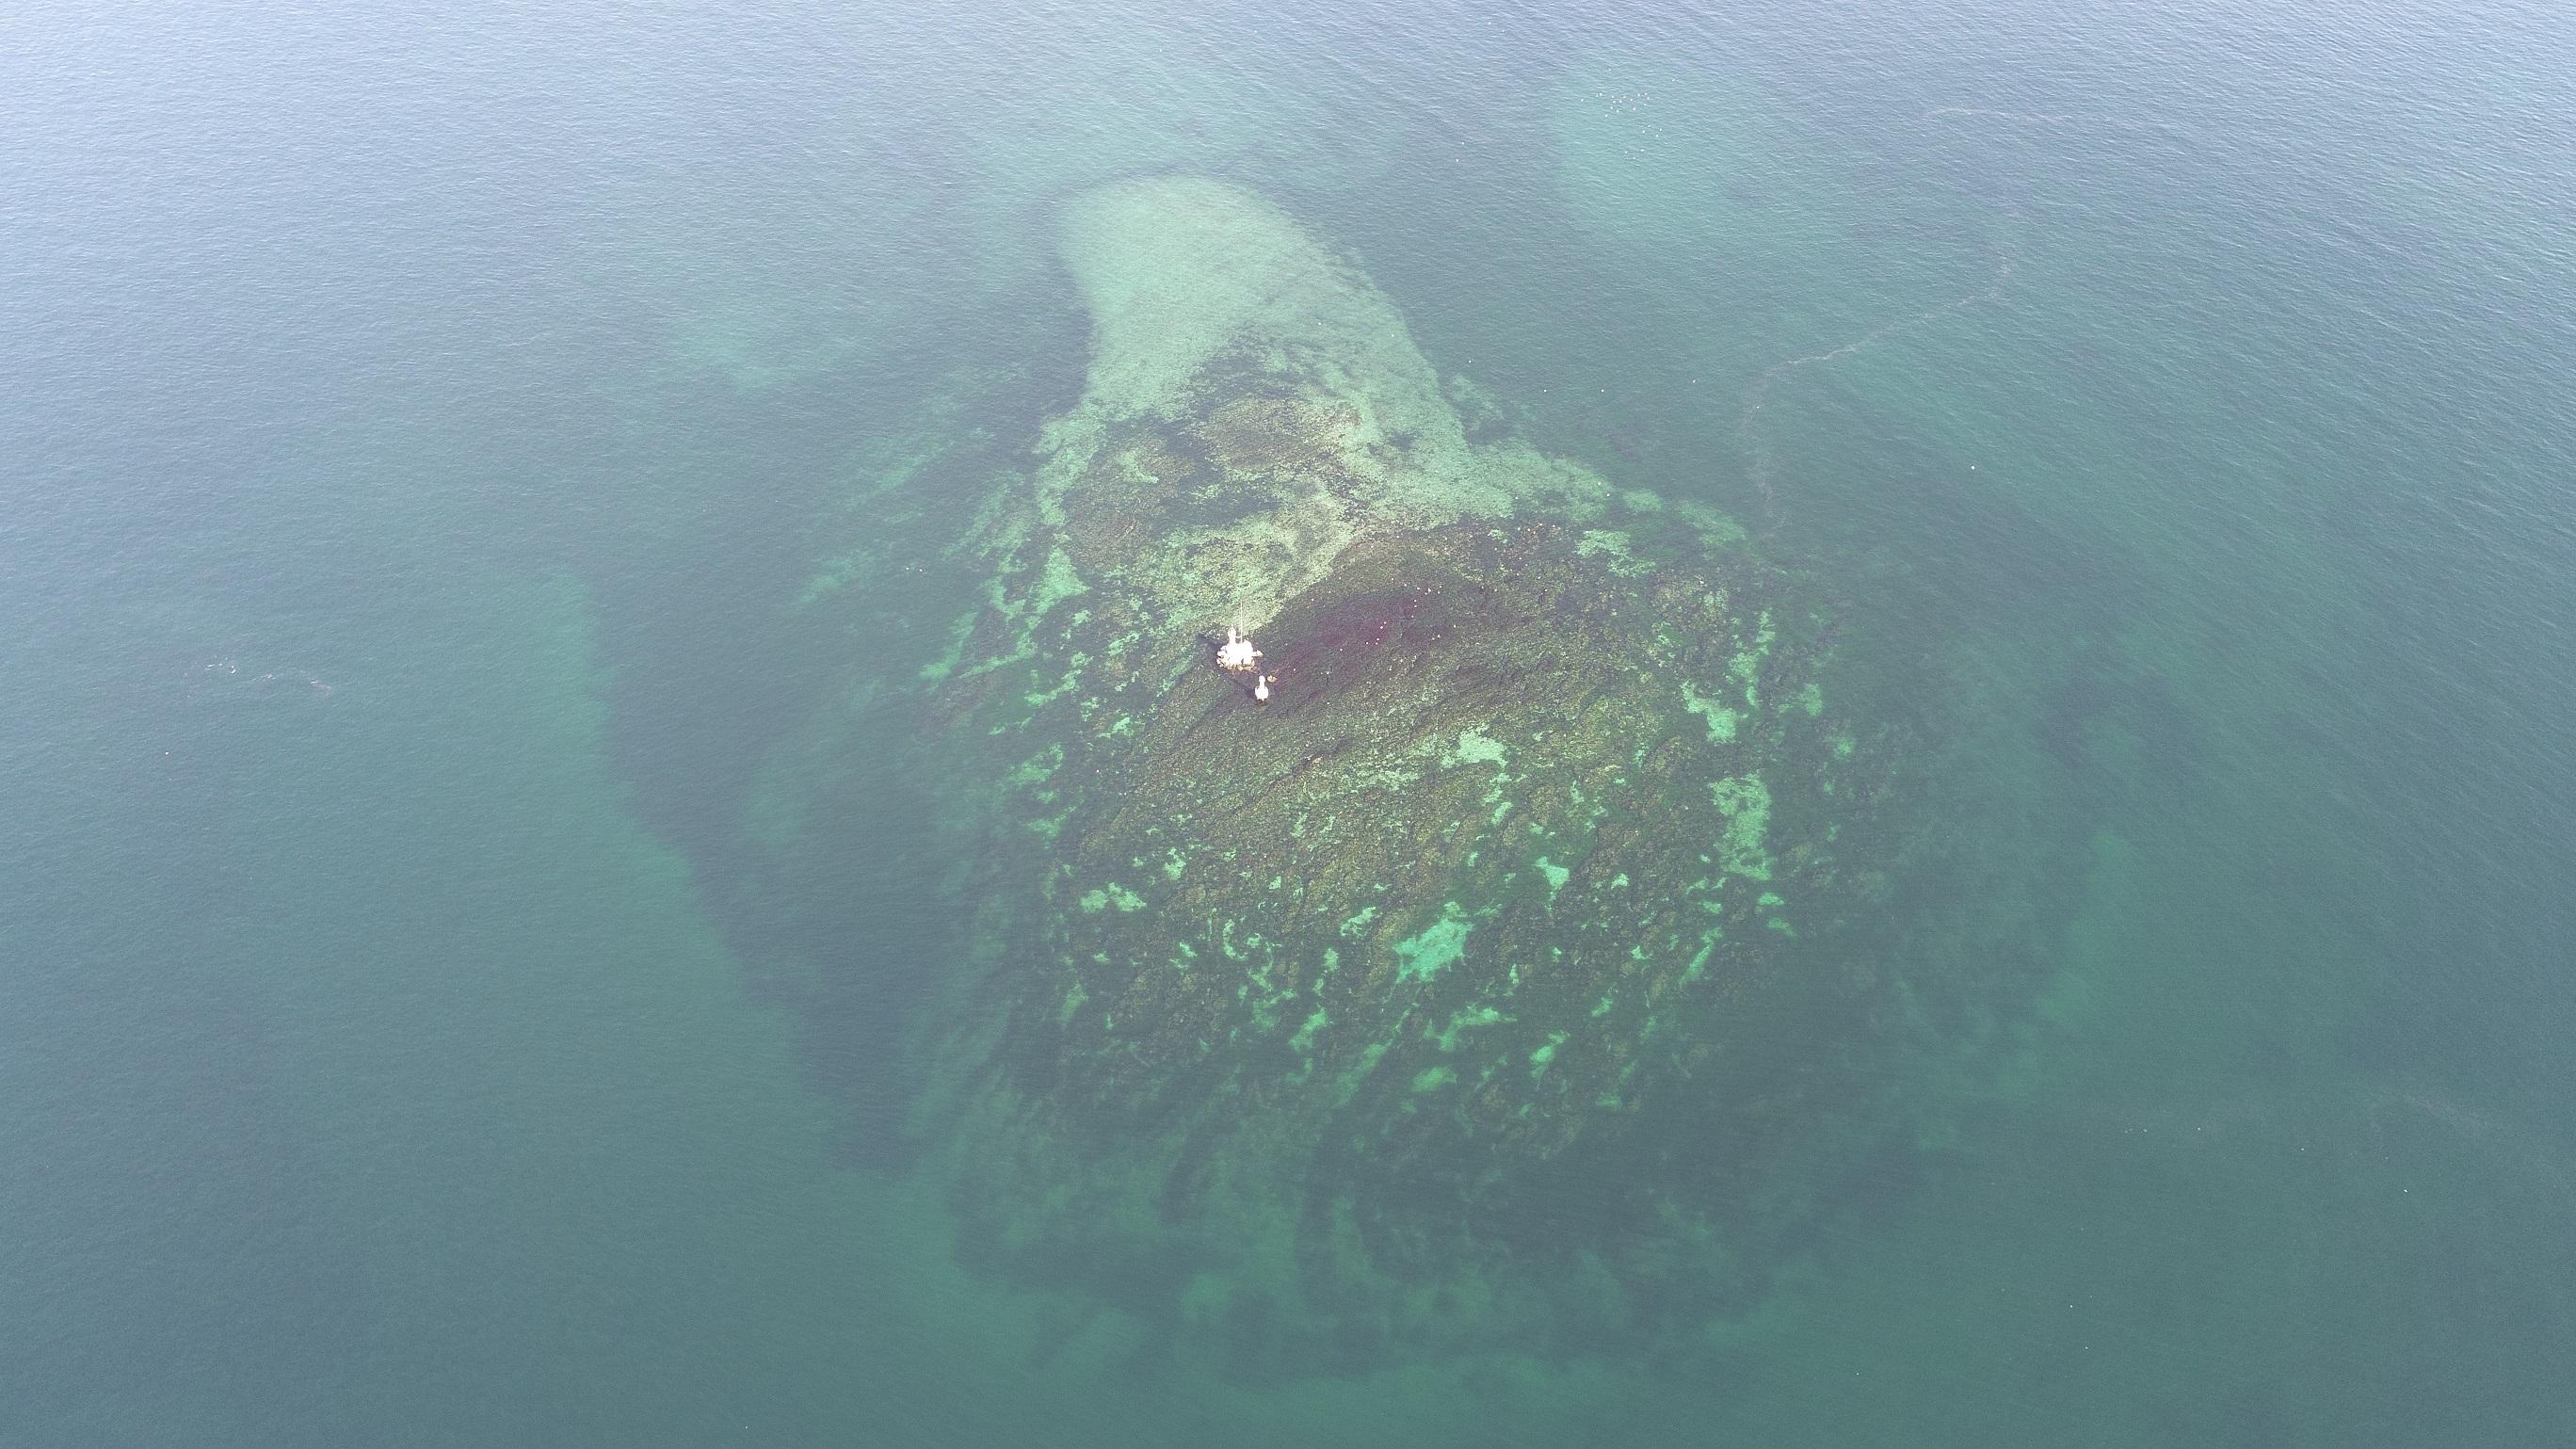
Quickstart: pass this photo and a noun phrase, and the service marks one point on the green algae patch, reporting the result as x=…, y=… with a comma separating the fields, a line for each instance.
x=1421, y=957
x=1101, y=898
x=1347, y=1085
x=1057, y=581
x=1432, y=1079
x=1447, y=1037
x=951, y=656
x=1612, y=547
x=1034, y=770
x=1555, y=875
x=1746, y=803
x=1721, y=720
x=1474, y=747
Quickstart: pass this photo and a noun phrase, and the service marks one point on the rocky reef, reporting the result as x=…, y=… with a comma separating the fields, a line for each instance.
x=1470, y=989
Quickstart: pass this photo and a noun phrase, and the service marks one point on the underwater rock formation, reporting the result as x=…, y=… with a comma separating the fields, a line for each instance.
x=1468, y=989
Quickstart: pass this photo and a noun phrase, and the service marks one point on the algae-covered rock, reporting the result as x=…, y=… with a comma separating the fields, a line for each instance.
x=1465, y=988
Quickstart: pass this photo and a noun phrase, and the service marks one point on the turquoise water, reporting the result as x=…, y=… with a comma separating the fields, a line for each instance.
x=481, y=486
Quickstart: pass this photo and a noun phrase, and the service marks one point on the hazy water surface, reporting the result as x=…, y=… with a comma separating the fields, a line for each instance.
x=454, y=980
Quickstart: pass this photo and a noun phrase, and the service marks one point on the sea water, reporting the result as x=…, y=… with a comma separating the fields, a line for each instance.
x=473, y=899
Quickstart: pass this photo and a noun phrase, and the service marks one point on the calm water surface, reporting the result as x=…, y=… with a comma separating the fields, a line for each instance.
x=452, y=991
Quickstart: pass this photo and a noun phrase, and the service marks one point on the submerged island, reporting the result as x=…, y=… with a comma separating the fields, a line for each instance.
x=1462, y=985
